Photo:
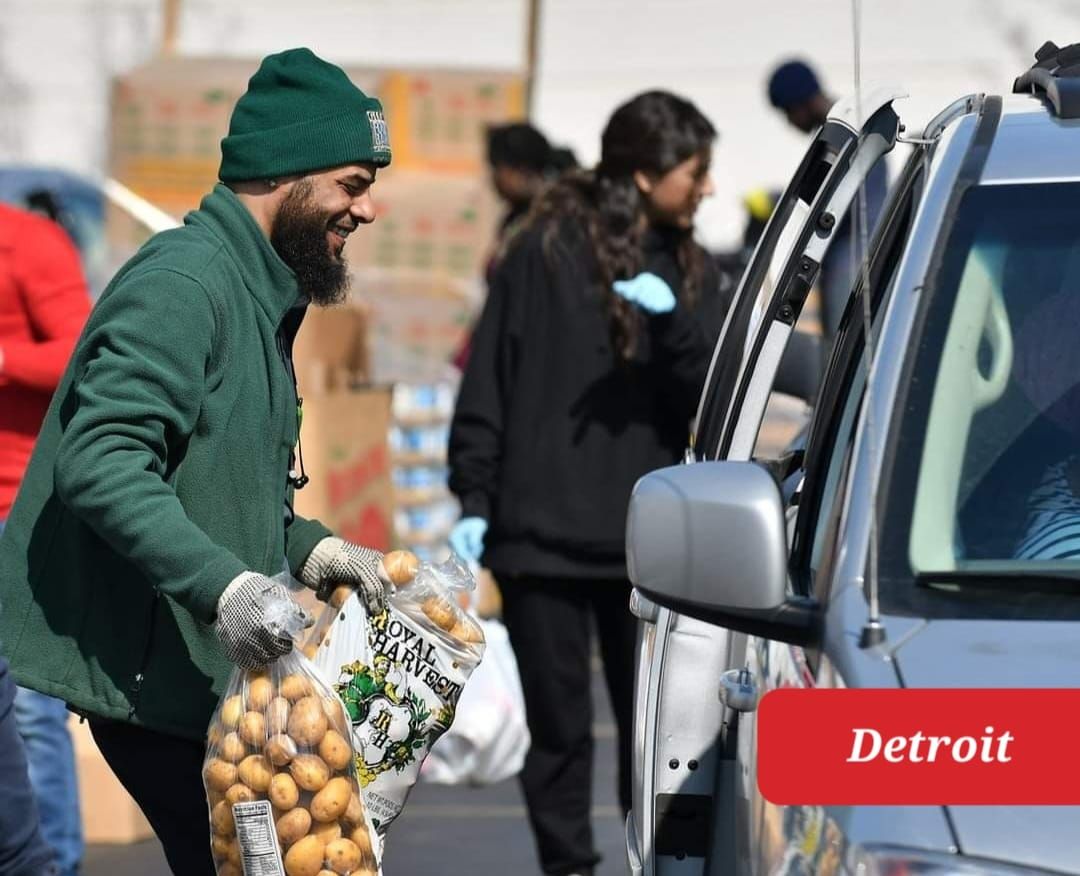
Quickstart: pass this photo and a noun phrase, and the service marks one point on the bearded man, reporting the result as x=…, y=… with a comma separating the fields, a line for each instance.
x=136, y=566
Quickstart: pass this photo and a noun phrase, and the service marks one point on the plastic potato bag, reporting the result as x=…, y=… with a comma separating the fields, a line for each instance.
x=280, y=777
x=399, y=674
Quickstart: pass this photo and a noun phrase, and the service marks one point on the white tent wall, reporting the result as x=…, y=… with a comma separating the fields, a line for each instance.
x=56, y=59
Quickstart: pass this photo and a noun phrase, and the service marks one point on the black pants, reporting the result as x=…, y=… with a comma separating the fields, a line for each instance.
x=164, y=775
x=549, y=625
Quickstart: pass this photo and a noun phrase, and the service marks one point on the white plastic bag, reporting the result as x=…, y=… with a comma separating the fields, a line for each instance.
x=399, y=674
x=489, y=738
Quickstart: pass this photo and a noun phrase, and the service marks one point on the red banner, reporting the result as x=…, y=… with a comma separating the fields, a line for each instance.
x=919, y=747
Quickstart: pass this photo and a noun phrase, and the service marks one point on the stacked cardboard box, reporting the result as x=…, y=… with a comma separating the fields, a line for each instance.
x=424, y=255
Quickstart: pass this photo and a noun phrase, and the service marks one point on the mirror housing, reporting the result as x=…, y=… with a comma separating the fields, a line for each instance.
x=709, y=540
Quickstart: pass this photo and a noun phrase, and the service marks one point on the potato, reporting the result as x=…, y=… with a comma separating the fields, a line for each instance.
x=441, y=611
x=229, y=869
x=214, y=735
x=326, y=873
x=332, y=801
x=468, y=632
x=360, y=838
x=295, y=687
x=335, y=750
x=253, y=729
x=293, y=825
x=310, y=771
x=219, y=845
x=310, y=650
x=277, y=716
x=341, y=595
x=233, y=853
x=221, y=818
x=335, y=711
x=354, y=812
x=305, y=858
x=232, y=748
x=256, y=772
x=259, y=693
x=239, y=793
x=283, y=791
x=307, y=721
x=219, y=774
x=326, y=831
x=280, y=749
x=232, y=710
x=343, y=856
x=400, y=566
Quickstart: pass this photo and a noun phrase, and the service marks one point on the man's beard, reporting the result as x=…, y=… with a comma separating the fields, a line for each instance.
x=299, y=237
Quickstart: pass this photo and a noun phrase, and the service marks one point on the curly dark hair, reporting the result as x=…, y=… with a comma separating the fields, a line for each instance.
x=653, y=132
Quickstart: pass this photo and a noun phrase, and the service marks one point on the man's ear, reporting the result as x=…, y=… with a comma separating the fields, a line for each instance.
x=644, y=181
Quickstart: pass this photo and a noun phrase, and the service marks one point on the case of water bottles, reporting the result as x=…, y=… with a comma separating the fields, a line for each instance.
x=419, y=434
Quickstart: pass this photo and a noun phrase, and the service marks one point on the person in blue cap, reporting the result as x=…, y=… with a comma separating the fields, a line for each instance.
x=795, y=89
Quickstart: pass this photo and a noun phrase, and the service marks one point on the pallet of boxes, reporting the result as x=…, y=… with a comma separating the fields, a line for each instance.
x=374, y=374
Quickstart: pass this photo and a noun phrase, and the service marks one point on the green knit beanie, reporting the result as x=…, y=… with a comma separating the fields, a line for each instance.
x=301, y=114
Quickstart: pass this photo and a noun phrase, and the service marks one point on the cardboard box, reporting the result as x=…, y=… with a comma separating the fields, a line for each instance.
x=347, y=457
x=332, y=349
x=168, y=119
x=418, y=323
x=438, y=118
x=109, y=815
x=428, y=224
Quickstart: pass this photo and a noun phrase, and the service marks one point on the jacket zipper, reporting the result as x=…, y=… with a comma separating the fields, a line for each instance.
x=136, y=687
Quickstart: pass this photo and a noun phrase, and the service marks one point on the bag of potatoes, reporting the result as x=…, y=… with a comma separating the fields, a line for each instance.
x=399, y=674
x=280, y=778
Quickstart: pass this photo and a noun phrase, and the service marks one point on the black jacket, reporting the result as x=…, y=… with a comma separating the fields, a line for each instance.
x=551, y=432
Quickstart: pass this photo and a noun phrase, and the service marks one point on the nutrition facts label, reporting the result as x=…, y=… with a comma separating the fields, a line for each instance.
x=260, y=854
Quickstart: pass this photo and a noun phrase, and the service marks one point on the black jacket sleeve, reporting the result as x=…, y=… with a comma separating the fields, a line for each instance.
x=683, y=341
x=478, y=426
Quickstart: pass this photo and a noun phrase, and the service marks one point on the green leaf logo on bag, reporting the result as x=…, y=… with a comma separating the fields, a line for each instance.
x=394, y=726
x=399, y=675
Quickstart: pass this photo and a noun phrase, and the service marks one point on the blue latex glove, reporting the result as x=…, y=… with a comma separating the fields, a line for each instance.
x=647, y=291
x=467, y=538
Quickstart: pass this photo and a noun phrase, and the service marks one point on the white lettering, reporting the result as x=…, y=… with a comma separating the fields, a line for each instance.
x=971, y=746
x=869, y=744
x=893, y=749
x=1003, y=740
x=860, y=734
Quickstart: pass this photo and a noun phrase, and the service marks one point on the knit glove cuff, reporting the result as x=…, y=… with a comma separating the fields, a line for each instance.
x=334, y=561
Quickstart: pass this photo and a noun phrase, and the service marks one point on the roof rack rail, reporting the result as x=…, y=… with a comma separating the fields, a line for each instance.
x=1055, y=75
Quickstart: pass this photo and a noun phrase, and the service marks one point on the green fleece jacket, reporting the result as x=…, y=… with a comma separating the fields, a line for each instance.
x=160, y=475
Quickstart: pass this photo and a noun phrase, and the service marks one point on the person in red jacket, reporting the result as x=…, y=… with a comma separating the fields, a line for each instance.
x=43, y=305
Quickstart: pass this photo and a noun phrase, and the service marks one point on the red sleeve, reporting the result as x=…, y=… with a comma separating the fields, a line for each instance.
x=50, y=283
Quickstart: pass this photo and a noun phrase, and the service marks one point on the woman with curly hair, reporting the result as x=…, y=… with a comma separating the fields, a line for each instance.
x=585, y=373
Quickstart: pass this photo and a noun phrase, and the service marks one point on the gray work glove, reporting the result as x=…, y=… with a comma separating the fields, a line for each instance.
x=334, y=562
x=256, y=620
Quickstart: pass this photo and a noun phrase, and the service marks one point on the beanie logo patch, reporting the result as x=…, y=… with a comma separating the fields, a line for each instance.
x=380, y=133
